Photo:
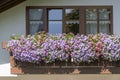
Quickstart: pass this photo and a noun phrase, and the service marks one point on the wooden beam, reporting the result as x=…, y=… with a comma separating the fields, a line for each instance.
x=3, y=2
x=4, y=44
x=8, y=4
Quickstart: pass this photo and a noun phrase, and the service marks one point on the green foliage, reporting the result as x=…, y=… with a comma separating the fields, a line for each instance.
x=69, y=36
x=15, y=37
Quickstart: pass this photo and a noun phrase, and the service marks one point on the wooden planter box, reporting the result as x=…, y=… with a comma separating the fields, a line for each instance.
x=58, y=67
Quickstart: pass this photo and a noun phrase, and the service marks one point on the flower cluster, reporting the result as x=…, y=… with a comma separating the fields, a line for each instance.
x=77, y=48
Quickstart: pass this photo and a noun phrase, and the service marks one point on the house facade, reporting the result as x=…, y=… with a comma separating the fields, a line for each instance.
x=22, y=19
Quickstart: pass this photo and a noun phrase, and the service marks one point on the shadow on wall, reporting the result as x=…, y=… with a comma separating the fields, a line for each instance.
x=4, y=56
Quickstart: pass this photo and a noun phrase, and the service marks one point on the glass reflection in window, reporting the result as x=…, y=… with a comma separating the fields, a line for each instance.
x=36, y=20
x=36, y=26
x=72, y=14
x=72, y=26
x=36, y=14
x=55, y=27
x=55, y=17
x=91, y=14
x=104, y=14
x=72, y=21
x=55, y=14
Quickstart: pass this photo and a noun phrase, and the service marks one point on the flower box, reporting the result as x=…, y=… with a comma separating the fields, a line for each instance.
x=65, y=53
x=58, y=67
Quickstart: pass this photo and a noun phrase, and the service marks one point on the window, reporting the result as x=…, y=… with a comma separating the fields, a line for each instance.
x=65, y=19
x=36, y=20
x=72, y=20
x=55, y=21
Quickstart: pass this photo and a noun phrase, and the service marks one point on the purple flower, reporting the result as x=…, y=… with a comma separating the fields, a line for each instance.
x=79, y=48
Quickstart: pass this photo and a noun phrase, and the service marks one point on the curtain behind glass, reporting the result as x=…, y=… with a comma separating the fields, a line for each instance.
x=36, y=20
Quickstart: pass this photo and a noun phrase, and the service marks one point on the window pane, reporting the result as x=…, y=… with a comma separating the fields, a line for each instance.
x=104, y=14
x=55, y=27
x=55, y=14
x=72, y=14
x=91, y=14
x=72, y=20
x=91, y=27
x=104, y=26
x=36, y=14
x=36, y=26
x=72, y=26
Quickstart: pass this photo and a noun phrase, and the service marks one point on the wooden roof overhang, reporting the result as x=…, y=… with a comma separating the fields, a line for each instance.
x=7, y=4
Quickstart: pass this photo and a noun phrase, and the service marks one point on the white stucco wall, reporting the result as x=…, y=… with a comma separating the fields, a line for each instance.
x=12, y=21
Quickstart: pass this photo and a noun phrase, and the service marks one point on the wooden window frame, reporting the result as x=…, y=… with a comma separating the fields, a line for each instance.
x=82, y=20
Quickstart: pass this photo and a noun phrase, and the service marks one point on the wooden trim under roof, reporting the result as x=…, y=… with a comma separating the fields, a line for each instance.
x=6, y=4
